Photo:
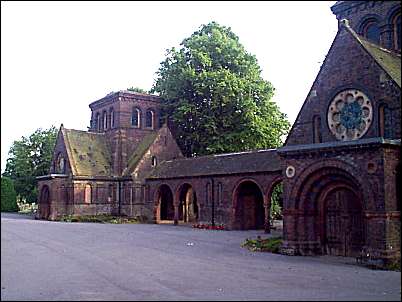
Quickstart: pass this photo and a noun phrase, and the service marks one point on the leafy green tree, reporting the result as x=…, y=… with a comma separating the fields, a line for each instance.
x=216, y=97
x=277, y=202
x=28, y=158
x=137, y=89
x=8, y=196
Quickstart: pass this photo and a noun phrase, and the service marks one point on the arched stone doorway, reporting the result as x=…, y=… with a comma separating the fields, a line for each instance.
x=188, y=206
x=165, y=203
x=44, y=202
x=341, y=221
x=330, y=203
x=248, y=207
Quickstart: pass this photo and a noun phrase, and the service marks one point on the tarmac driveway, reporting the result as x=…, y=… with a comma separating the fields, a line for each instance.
x=43, y=260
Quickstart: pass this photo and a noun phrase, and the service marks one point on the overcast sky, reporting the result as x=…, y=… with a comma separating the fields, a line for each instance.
x=57, y=57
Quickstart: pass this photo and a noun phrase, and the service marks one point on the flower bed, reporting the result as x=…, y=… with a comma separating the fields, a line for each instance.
x=218, y=227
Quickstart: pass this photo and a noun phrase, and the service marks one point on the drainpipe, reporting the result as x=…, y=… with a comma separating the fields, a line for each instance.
x=119, y=194
x=213, y=201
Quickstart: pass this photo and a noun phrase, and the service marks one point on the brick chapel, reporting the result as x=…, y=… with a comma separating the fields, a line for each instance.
x=339, y=166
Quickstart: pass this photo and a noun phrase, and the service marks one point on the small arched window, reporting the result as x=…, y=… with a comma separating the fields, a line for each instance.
x=111, y=113
x=149, y=122
x=396, y=28
x=104, y=119
x=317, y=129
x=385, y=121
x=136, y=117
x=371, y=31
x=154, y=161
x=98, y=122
x=88, y=193
x=60, y=164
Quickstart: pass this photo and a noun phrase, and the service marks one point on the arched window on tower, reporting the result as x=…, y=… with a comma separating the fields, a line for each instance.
x=97, y=122
x=396, y=29
x=149, y=121
x=136, y=118
x=317, y=138
x=111, y=113
x=371, y=31
x=104, y=119
x=385, y=121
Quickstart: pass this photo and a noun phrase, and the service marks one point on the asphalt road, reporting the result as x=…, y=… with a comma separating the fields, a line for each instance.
x=43, y=260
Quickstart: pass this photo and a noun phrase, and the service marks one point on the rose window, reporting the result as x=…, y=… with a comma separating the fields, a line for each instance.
x=350, y=115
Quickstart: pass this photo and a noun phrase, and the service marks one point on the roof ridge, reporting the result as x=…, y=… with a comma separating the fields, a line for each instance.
x=222, y=155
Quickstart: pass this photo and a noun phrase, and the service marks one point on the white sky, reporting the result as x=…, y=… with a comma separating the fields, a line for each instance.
x=57, y=57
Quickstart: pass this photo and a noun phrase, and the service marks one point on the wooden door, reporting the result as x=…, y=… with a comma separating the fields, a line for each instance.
x=343, y=223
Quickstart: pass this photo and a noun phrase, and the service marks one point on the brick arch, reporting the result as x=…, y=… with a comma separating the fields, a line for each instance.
x=308, y=175
x=270, y=188
x=44, y=202
x=157, y=199
x=248, y=215
x=237, y=185
x=195, y=205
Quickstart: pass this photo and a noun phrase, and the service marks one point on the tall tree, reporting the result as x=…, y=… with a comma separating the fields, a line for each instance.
x=28, y=158
x=8, y=196
x=216, y=97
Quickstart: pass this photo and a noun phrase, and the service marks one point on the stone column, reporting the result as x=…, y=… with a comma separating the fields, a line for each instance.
x=176, y=214
x=267, y=226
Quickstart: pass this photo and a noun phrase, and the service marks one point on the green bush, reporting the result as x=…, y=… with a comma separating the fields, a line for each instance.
x=8, y=196
x=272, y=244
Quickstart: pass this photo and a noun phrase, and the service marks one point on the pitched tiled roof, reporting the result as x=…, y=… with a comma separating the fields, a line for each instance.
x=139, y=152
x=389, y=61
x=88, y=152
x=244, y=162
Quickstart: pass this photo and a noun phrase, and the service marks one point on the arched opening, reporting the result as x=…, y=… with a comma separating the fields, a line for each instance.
x=342, y=221
x=111, y=113
x=332, y=202
x=98, y=122
x=188, y=207
x=136, y=118
x=385, y=121
x=249, y=207
x=317, y=129
x=396, y=29
x=275, y=198
x=104, y=119
x=371, y=31
x=154, y=161
x=44, y=202
x=149, y=119
x=165, y=201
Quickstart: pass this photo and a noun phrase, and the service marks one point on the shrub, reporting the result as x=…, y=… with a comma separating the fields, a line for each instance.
x=8, y=196
x=263, y=245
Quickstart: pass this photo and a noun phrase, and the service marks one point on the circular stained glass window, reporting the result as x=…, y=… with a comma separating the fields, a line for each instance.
x=350, y=115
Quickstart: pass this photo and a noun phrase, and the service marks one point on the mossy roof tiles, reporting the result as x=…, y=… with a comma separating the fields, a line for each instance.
x=139, y=152
x=233, y=163
x=88, y=152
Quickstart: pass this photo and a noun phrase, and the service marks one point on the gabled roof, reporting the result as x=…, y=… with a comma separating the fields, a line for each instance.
x=389, y=61
x=88, y=152
x=139, y=152
x=232, y=163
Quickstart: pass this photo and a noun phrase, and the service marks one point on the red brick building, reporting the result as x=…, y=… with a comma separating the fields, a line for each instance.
x=340, y=165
